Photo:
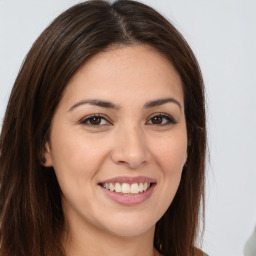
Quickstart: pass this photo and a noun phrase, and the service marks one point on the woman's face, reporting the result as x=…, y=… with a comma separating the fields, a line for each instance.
x=118, y=141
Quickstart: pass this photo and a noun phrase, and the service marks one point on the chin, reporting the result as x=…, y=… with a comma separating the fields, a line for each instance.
x=130, y=231
x=130, y=227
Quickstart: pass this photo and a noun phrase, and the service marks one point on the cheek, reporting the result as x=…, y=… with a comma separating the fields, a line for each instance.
x=171, y=160
x=170, y=156
x=75, y=149
x=171, y=153
x=76, y=159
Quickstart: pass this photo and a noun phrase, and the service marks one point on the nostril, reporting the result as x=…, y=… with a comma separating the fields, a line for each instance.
x=121, y=162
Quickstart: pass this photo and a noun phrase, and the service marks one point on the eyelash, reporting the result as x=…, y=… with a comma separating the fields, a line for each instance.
x=170, y=120
x=86, y=120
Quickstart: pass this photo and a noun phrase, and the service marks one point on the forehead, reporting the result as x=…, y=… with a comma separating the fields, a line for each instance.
x=136, y=72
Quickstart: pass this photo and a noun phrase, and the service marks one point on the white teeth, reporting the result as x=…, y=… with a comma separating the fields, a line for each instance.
x=135, y=188
x=118, y=188
x=141, y=187
x=111, y=187
x=106, y=185
x=126, y=188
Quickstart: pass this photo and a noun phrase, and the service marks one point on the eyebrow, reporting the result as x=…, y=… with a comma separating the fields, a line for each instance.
x=99, y=103
x=107, y=104
x=159, y=102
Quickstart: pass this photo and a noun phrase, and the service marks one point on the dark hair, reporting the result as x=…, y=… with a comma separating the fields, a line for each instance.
x=31, y=213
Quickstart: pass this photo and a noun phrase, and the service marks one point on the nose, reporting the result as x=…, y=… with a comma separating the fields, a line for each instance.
x=130, y=148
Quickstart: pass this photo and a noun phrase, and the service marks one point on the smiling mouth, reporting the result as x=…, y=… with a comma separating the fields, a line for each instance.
x=127, y=188
x=128, y=191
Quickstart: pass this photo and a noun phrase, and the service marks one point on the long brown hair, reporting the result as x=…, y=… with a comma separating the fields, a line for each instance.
x=31, y=213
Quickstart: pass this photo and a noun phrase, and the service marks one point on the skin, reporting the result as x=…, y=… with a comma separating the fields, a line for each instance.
x=127, y=141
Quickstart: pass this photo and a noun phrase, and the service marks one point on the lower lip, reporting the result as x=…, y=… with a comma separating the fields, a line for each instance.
x=129, y=199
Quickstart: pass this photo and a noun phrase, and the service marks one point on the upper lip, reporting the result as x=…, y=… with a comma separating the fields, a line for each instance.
x=129, y=180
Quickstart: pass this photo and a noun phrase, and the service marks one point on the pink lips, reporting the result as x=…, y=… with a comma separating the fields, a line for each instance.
x=129, y=199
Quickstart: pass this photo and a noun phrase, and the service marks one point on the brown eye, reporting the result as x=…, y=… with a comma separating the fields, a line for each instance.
x=157, y=120
x=161, y=120
x=95, y=120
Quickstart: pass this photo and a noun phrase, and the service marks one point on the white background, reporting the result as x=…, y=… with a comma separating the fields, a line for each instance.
x=222, y=34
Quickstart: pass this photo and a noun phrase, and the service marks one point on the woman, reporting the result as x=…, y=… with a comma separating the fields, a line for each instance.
x=103, y=140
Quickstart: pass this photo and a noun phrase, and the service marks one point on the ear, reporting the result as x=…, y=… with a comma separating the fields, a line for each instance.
x=47, y=157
